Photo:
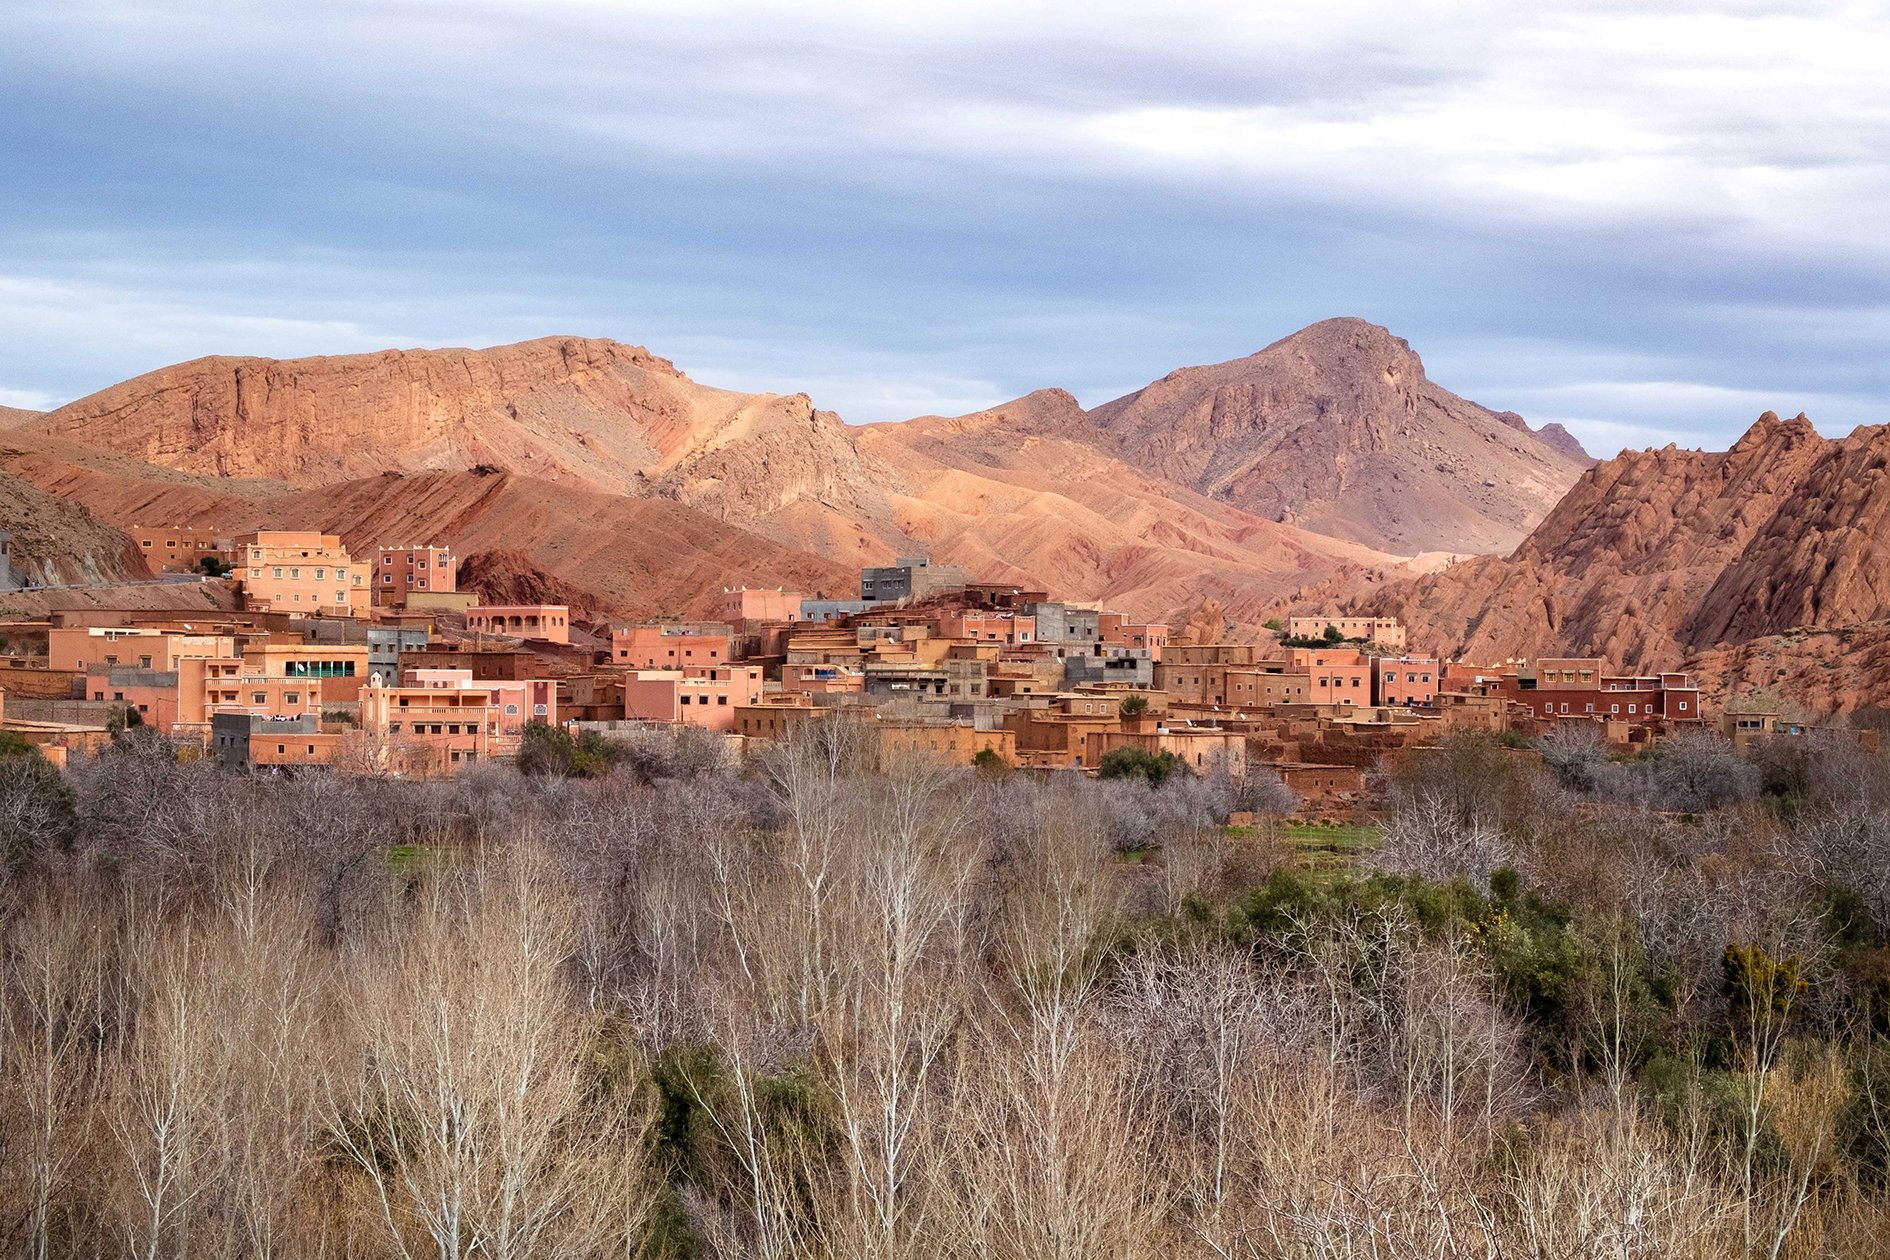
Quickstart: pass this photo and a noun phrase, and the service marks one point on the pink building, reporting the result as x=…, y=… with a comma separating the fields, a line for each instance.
x=704, y=696
x=740, y=604
x=1120, y=630
x=669, y=647
x=550, y=622
x=514, y=703
x=1336, y=675
x=1404, y=680
x=302, y=571
x=398, y=570
x=987, y=627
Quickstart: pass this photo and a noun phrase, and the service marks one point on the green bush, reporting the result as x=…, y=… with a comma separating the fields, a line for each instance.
x=1139, y=763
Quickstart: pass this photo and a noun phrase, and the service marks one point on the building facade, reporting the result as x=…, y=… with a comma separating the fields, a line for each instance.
x=300, y=572
x=183, y=548
x=550, y=622
x=1386, y=632
x=400, y=570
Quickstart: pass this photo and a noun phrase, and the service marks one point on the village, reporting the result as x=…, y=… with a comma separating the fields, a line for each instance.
x=385, y=666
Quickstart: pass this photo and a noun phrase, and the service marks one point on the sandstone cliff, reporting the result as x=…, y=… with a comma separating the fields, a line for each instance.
x=1657, y=556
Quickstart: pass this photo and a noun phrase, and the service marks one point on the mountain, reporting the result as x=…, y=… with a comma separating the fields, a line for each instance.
x=1338, y=430
x=13, y=417
x=600, y=469
x=1011, y=493
x=1661, y=557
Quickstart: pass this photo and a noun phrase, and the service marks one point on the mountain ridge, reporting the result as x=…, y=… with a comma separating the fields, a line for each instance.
x=1034, y=490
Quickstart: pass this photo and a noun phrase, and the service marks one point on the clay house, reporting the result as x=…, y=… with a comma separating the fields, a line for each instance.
x=429, y=731
x=1336, y=675
x=1384, y=631
x=1556, y=687
x=740, y=605
x=1747, y=722
x=697, y=695
x=550, y=622
x=253, y=741
x=401, y=570
x=775, y=715
x=670, y=646
x=1006, y=628
x=1058, y=737
x=300, y=571
x=1123, y=631
x=1321, y=787
x=514, y=704
x=183, y=548
x=1404, y=680
x=86, y=647
x=955, y=743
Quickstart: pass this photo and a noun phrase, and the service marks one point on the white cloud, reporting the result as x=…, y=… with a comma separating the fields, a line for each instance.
x=27, y=399
x=1662, y=200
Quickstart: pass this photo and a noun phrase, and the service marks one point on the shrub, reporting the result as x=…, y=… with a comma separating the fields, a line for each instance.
x=37, y=811
x=992, y=762
x=1139, y=763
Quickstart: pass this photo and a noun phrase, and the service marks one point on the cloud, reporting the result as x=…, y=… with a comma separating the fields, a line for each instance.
x=900, y=207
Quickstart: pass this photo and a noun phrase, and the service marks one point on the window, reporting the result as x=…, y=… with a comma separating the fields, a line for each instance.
x=295, y=572
x=292, y=698
x=721, y=699
x=259, y=697
x=321, y=575
x=278, y=570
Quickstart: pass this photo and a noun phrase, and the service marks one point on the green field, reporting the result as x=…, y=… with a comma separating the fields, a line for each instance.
x=1320, y=846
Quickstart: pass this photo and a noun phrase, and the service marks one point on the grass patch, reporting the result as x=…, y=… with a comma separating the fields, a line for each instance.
x=402, y=858
x=1330, y=846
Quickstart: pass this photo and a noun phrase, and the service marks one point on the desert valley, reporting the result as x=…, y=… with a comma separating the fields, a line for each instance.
x=1325, y=471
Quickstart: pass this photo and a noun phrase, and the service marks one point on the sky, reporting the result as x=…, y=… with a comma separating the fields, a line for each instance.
x=1649, y=222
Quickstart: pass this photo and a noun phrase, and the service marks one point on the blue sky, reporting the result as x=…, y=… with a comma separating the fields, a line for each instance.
x=1649, y=222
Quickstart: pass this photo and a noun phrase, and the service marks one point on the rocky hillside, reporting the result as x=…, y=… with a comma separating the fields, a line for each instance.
x=603, y=470
x=1658, y=557
x=1338, y=430
x=56, y=542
